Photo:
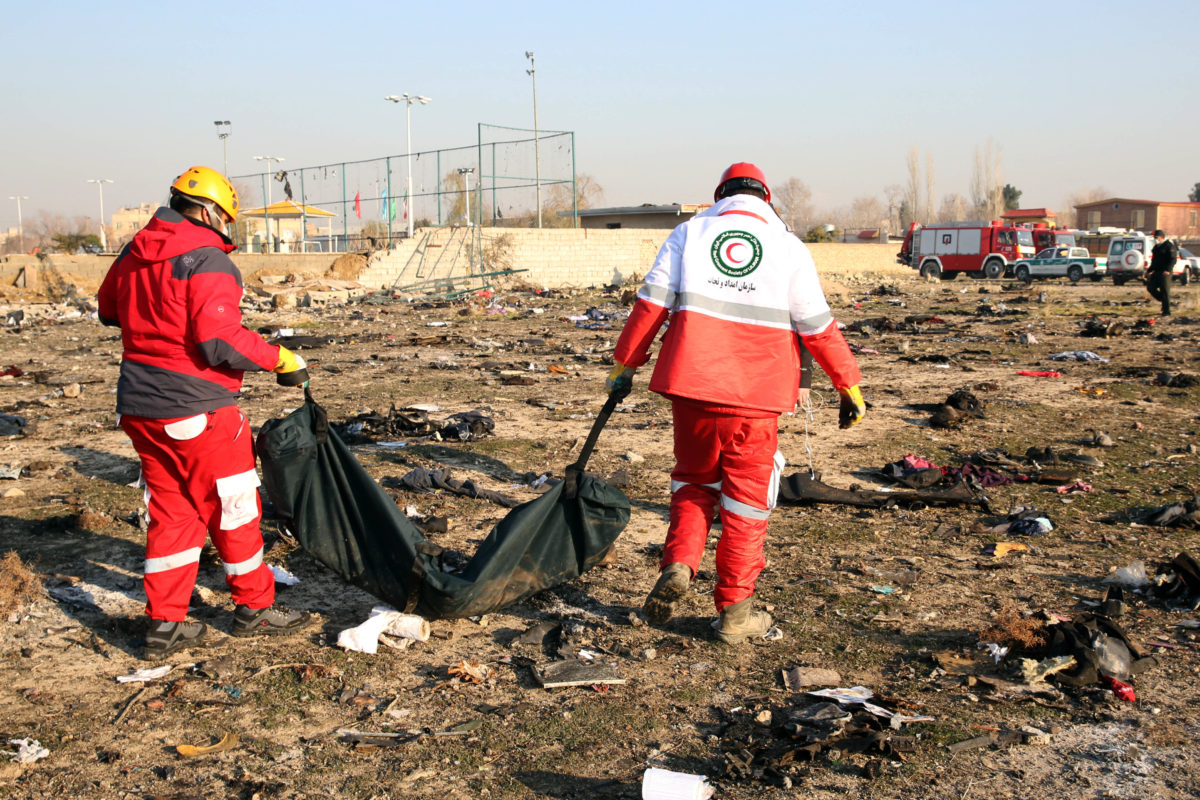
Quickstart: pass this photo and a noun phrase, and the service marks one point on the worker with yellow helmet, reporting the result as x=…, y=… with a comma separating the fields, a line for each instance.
x=174, y=292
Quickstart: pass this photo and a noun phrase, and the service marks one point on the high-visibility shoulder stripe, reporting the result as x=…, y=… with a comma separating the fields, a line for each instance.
x=173, y=561
x=659, y=295
x=734, y=312
x=744, y=214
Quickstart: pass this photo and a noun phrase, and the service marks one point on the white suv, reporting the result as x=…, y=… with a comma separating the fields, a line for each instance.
x=1129, y=256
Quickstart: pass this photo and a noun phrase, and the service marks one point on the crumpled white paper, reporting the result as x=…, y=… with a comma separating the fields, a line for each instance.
x=29, y=751
x=383, y=620
x=663, y=784
x=283, y=576
x=144, y=675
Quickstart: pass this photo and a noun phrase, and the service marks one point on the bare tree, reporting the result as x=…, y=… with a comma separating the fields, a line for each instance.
x=588, y=192
x=1067, y=214
x=929, y=210
x=866, y=212
x=987, y=182
x=793, y=201
x=46, y=229
x=954, y=208
x=912, y=191
x=894, y=194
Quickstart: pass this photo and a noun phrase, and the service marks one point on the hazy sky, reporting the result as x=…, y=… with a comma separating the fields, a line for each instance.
x=662, y=96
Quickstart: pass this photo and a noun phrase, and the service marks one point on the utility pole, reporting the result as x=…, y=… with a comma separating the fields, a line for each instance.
x=224, y=128
x=20, y=226
x=408, y=100
x=103, y=238
x=267, y=208
x=537, y=156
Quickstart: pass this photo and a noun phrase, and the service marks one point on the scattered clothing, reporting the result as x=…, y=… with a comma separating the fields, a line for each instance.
x=430, y=480
x=1079, y=355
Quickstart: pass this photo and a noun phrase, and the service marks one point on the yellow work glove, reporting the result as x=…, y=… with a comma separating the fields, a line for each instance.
x=853, y=407
x=290, y=368
x=620, y=378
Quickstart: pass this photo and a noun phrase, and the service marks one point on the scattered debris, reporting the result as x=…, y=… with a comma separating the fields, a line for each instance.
x=662, y=784
x=28, y=751
x=227, y=742
x=145, y=675
x=797, y=678
x=559, y=674
x=384, y=621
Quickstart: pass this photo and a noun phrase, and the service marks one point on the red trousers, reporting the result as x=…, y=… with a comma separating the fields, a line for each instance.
x=200, y=481
x=731, y=462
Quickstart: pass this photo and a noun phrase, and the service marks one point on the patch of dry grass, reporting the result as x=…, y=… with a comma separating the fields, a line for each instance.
x=18, y=583
x=1010, y=627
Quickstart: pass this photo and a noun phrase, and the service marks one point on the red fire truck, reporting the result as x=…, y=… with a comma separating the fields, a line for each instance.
x=983, y=249
x=1044, y=237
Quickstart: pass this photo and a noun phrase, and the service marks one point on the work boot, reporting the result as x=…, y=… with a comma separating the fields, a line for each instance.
x=164, y=638
x=738, y=622
x=665, y=596
x=274, y=620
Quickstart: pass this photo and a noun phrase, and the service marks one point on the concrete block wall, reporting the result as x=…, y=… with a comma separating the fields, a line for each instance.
x=551, y=257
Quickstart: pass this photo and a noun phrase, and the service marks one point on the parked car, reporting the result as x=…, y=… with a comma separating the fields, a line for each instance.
x=1129, y=256
x=1072, y=263
x=1192, y=260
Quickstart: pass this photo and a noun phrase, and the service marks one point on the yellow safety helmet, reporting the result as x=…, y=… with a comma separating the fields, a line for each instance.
x=205, y=183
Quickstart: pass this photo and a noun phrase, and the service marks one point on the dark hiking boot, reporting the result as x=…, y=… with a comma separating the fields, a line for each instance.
x=164, y=638
x=739, y=622
x=271, y=621
x=665, y=596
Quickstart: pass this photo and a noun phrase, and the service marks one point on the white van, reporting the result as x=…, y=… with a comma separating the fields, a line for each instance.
x=1129, y=256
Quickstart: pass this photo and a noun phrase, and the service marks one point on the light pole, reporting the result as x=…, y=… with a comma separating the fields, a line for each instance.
x=408, y=100
x=224, y=128
x=20, y=226
x=267, y=208
x=537, y=157
x=466, y=172
x=100, y=184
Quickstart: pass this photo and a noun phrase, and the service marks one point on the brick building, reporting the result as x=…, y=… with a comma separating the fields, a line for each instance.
x=1179, y=220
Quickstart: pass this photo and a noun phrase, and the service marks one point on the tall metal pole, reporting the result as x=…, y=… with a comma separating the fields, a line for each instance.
x=224, y=127
x=100, y=183
x=466, y=174
x=267, y=208
x=409, y=100
x=20, y=225
x=537, y=156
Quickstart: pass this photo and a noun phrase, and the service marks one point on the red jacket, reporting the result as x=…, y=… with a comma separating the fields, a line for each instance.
x=174, y=292
x=738, y=287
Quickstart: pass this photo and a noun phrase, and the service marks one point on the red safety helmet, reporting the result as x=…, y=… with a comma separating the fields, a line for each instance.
x=749, y=174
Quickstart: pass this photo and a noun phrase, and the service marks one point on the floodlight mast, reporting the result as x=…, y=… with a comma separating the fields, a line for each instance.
x=408, y=100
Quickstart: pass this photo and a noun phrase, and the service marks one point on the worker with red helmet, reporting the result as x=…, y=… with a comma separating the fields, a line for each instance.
x=742, y=293
x=174, y=293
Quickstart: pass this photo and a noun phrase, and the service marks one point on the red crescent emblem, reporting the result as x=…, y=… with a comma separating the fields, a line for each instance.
x=729, y=252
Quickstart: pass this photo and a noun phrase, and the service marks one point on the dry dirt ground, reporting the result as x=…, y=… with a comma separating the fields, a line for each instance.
x=686, y=700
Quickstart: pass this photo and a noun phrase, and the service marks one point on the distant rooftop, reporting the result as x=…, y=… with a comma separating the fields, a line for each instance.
x=1028, y=212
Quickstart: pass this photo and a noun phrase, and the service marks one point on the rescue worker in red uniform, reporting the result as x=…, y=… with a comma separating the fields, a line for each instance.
x=174, y=293
x=742, y=293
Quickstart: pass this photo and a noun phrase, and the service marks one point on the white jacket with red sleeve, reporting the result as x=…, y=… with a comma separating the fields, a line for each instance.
x=738, y=287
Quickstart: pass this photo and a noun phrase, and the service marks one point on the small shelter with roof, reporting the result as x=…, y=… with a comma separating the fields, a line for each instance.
x=286, y=225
